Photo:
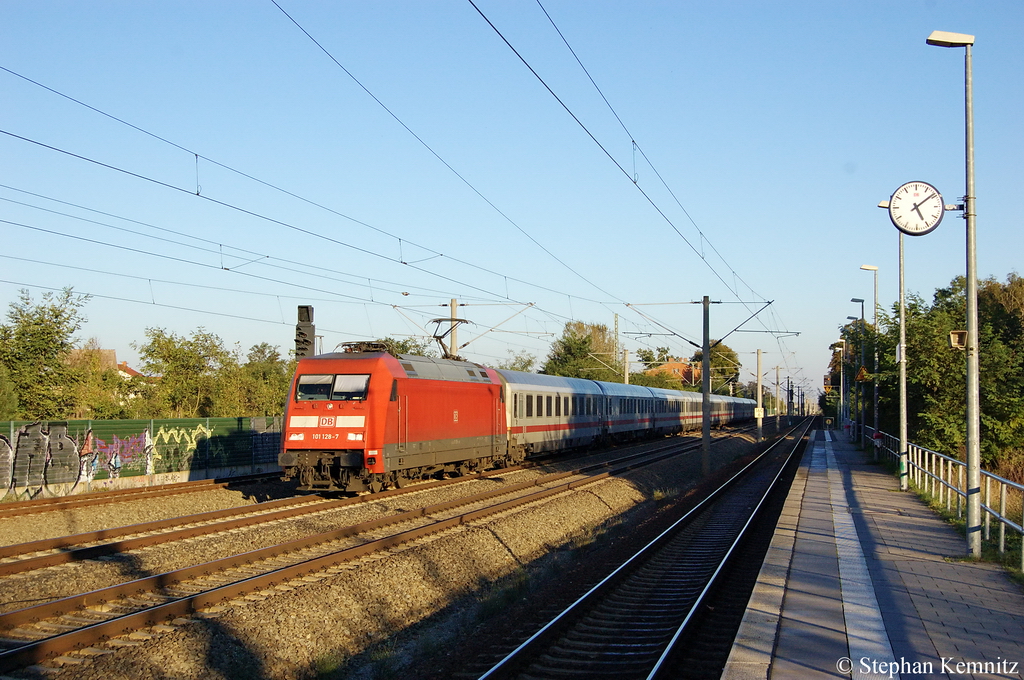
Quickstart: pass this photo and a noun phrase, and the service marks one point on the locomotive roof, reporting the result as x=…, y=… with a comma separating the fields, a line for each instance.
x=432, y=368
x=426, y=368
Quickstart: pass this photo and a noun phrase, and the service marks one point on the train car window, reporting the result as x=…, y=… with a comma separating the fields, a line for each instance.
x=350, y=387
x=515, y=405
x=529, y=405
x=314, y=388
x=548, y=400
x=565, y=405
x=558, y=406
x=394, y=390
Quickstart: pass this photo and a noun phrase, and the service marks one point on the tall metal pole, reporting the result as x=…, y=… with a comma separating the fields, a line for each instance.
x=874, y=409
x=874, y=270
x=760, y=407
x=842, y=386
x=454, y=343
x=860, y=384
x=705, y=387
x=778, y=404
x=789, y=400
x=946, y=39
x=901, y=357
x=973, y=363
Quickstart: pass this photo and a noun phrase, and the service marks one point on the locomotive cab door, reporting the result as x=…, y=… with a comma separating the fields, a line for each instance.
x=399, y=406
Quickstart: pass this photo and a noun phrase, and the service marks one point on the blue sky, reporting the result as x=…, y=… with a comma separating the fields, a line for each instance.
x=428, y=163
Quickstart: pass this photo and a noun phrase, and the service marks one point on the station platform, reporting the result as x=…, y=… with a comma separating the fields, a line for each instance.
x=864, y=581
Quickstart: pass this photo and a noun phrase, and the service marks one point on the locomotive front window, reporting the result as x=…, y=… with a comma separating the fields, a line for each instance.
x=350, y=387
x=331, y=387
x=313, y=388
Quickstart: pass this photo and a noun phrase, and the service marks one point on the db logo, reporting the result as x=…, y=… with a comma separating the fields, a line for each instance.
x=326, y=421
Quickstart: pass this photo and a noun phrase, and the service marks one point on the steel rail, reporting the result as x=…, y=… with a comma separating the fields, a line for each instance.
x=67, y=550
x=58, y=503
x=512, y=662
x=657, y=671
x=32, y=652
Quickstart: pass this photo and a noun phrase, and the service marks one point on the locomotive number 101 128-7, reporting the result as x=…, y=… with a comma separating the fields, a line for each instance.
x=317, y=435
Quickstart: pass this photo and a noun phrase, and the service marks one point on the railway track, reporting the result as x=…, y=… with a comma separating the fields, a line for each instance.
x=63, y=503
x=19, y=558
x=36, y=633
x=630, y=624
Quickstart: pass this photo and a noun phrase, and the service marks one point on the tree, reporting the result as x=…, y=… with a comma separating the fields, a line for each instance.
x=936, y=373
x=410, y=345
x=266, y=379
x=8, y=396
x=188, y=371
x=653, y=359
x=100, y=390
x=518, y=361
x=661, y=379
x=584, y=351
x=725, y=365
x=34, y=348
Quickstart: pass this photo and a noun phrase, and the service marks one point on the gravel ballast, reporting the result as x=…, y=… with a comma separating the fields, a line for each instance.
x=339, y=622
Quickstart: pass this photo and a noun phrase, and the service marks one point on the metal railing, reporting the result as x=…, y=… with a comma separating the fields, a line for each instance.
x=944, y=479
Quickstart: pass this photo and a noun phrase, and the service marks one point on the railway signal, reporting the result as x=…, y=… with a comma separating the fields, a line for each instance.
x=305, y=332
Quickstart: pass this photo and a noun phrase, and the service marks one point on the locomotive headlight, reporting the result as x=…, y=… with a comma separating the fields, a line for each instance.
x=355, y=436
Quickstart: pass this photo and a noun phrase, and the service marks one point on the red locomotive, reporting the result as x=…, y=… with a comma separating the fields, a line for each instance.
x=366, y=420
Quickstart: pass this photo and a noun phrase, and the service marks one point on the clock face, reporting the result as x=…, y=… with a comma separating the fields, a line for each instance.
x=916, y=208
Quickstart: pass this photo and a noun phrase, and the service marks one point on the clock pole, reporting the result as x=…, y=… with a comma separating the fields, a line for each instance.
x=901, y=357
x=915, y=208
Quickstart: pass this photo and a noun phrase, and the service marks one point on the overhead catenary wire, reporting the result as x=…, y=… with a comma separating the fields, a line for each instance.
x=436, y=155
x=259, y=256
x=301, y=198
x=220, y=313
x=209, y=198
x=636, y=147
x=246, y=211
x=196, y=191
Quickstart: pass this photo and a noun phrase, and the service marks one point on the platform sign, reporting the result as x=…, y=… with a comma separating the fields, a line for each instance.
x=758, y=412
x=828, y=423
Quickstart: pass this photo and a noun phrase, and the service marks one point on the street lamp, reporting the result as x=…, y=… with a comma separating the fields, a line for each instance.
x=842, y=382
x=946, y=39
x=872, y=268
x=860, y=385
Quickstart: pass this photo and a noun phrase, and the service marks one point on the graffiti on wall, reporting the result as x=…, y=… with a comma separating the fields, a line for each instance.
x=177, y=446
x=48, y=462
x=39, y=459
x=58, y=458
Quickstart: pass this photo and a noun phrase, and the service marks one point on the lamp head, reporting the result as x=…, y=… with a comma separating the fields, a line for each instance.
x=856, y=300
x=947, y=39
x=869, y=267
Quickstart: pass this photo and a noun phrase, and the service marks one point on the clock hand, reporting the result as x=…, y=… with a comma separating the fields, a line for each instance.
x=917, y=206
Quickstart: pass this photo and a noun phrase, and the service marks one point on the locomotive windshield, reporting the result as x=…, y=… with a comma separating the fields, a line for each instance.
x=331, y=387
